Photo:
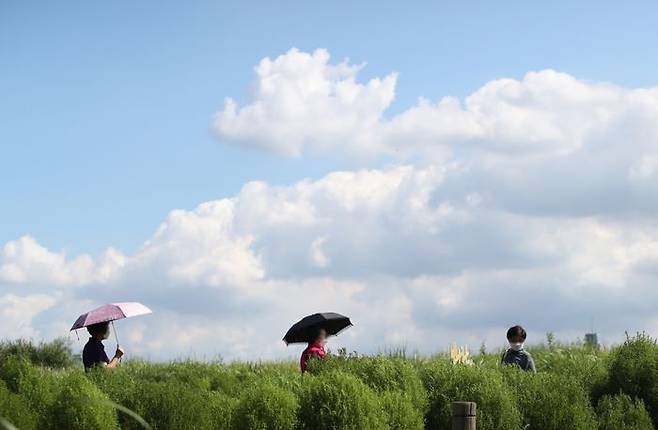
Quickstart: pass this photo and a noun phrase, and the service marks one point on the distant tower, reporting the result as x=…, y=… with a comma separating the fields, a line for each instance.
x=592, y=339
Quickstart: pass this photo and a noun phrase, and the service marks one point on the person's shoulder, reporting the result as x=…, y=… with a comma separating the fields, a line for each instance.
x=94, y=344
x=526, y=353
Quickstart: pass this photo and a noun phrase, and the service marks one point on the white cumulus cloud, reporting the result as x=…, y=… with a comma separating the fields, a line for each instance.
x=304, y=103
x=24, y=261
x=17, y=313
x=397, y=249
x=301, y=100
x=530, y=201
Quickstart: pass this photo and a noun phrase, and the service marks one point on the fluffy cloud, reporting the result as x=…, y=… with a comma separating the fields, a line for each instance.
x=17, y=313
x=24, y=261
x=202, y=247
x=304, y=103
x=548, y=144
x=394, y=248
x=530, y=201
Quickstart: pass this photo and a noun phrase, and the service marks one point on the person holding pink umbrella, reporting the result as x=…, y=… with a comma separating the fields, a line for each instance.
x=98, y=323
x=93, y=354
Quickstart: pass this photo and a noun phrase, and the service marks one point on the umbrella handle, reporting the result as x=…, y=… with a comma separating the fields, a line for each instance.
x=116, y=337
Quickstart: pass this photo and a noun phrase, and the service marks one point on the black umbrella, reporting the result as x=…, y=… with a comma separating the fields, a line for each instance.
x=303, y=330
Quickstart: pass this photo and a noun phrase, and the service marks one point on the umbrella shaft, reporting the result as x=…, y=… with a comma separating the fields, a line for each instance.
x=115, y=333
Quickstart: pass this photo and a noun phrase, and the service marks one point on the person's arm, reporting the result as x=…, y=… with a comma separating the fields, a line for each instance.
x=531, y=364
x=115, y=360
x=318, y=353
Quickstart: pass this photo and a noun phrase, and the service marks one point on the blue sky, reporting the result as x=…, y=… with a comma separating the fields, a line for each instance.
x=104, y=120
x=484, y=151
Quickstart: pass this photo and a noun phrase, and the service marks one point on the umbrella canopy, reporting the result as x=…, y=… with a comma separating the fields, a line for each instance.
x=303, y=330
x=110, y=312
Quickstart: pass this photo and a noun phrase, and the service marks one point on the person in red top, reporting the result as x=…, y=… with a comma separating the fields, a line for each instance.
x=315, y=349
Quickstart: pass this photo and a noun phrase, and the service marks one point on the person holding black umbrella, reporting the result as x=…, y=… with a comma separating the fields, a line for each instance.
x=314, y=330
x=315, y=348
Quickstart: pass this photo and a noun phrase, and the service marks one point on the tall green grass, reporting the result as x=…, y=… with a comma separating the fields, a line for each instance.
x=577, y=387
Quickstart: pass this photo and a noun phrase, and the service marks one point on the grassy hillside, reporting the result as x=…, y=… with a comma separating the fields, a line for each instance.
x=43, y=387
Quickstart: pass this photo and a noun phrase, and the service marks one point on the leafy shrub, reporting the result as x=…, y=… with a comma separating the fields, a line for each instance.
x=37, y=386
x=620, y=412
x=284, y=375
x=551, y=401
x=16, y=410
x=634, y=371
x=380, y=373
x=226, y=380
x=172, y=405
x=266, y=407
x=446, y=383
x=189, y=373
x=11, y=370
x=337, y=400
x=222, y=409
x=400, y=412
x=347, y=391
x=56, y=354
x=142, y=387
x=121, y=386
x=81, y=405
x=581, y=362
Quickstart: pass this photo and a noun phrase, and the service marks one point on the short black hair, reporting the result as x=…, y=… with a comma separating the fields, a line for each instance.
x=517, y=330
x=96, y=329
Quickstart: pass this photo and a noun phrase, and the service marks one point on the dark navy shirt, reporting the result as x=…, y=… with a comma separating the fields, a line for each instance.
x=521, y=358
x=94, y=353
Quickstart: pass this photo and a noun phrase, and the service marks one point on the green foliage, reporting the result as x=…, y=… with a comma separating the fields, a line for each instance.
x=56, y=354
x=12, y=368
x=266, y=407
x=634, y=371
x=198, y=375
x=586, y=364
x=36, y=385
x=222, y=408
x=551, y=401
x=621, y=412
x=337, y=400
x=446, y=383
x=285, y=375
x=121, y=386
x=172, y=405
x=381, y=374
x=400, y=413
x=15, y=409
x=81, y=405
x=40, y=389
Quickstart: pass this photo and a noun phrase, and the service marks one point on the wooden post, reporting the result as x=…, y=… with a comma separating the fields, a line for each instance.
x=463, y=415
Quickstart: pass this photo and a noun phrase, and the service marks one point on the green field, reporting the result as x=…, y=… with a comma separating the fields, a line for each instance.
x=577, y=387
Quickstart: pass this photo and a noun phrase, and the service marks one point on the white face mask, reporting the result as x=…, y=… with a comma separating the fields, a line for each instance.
x=516, y=346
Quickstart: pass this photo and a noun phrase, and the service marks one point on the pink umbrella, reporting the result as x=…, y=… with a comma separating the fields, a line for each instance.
x=110, y=312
